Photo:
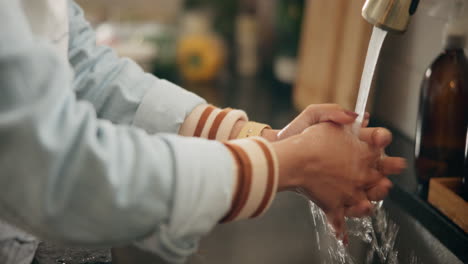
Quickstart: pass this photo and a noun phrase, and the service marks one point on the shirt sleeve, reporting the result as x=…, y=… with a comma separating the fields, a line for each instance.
x=123, y=93
x=118, y=88
x=68, y=176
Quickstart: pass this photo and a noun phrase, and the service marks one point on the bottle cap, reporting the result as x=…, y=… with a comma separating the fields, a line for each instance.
x=456, y=29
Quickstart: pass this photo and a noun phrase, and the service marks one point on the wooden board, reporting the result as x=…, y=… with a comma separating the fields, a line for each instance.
x=332, y=50
x=444, y=195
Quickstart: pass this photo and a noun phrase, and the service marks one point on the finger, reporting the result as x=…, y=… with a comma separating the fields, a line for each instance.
x=346, y=239
x=357, y=197
x=337, y=221
x=379, y=191
x=365, y=122
x=331, y=113
x=342, y=117
x=364, y=208
x=372, y=177
x=376, y=136
x=392, y=165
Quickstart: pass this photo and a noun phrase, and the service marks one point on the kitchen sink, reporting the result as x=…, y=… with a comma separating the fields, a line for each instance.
x=286, y=234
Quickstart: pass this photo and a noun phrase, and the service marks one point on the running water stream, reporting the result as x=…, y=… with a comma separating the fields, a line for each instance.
x=373, y=52
x=378, y=231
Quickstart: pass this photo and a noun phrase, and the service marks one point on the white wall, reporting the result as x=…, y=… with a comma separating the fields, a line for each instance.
x=403, y=61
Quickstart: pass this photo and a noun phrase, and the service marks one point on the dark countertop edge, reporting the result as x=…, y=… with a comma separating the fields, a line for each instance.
x=435, y=222
x=441, y=227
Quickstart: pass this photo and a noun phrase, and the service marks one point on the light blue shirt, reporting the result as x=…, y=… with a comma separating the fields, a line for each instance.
x=74, y=167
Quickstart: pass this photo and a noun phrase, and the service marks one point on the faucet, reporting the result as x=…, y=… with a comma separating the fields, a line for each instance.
x=389, y=15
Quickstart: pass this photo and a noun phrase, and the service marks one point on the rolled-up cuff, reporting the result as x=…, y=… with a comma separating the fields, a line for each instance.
x=227, y=183
x=209, y=122
x=257, y=178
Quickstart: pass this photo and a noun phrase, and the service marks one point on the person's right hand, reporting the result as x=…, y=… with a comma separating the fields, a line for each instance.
x=331, y=166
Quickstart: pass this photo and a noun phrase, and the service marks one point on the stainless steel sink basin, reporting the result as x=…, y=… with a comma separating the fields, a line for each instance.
x=286, y=234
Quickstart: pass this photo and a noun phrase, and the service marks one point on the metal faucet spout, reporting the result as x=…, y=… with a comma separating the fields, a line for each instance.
x=390, y=15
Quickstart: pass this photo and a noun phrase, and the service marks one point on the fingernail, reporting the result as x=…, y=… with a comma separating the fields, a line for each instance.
x=346, y=241
x=339, y=236
x=351, y=113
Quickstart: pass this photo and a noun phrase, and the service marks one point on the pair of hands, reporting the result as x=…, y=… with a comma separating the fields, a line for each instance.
x=319, y=156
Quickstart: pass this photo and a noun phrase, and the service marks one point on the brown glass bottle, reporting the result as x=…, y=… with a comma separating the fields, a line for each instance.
x=443, y=117
x=465, y=173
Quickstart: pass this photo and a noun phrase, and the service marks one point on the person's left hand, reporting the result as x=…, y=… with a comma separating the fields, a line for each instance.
x=312, y=115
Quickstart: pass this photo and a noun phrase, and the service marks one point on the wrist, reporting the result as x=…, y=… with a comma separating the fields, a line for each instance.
x=290, y=175
x=270, y=134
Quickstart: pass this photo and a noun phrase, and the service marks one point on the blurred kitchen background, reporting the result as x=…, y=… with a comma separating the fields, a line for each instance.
x=233, y=52
x=272, y=58
x=204, y=44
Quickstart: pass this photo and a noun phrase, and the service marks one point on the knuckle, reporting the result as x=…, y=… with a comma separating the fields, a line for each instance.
x=350, y=198
x=309, y=107
x=361, y=181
